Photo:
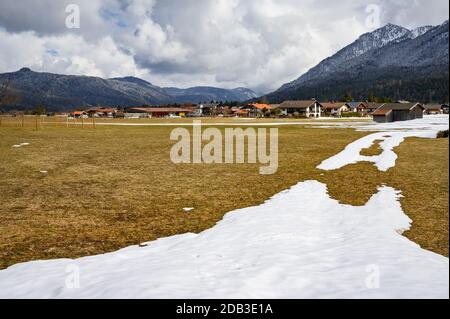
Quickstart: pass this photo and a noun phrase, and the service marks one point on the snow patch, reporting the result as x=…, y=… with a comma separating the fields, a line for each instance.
x=299, y=244
x=426, y=128
x=20, y=145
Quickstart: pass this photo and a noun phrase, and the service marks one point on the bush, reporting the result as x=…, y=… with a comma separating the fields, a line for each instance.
x=442, y=134
x=350, y=114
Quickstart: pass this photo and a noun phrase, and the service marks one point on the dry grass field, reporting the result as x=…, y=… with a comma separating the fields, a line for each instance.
x=111, y=187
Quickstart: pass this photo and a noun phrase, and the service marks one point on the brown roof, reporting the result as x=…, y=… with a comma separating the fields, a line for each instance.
x=92, y=109
x=432, y=106
x=400, y=106
x=382, y=110
x=159, y=109
x=78, y=112
x=107, y=110
x=261, y=106
x=330, y=106
x=296, y=104
x=372, y=105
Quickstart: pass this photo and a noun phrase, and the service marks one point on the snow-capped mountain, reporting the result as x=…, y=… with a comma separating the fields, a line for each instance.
x=391, y=53
x=417, y=32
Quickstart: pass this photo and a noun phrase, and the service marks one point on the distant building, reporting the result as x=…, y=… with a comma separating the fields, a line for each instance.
x=358, y=107
x=257, y=109
x=207, y=109
x=335, y=108
x=101, y=112
x=393, y=112
x=242, y=113
x=445, y=108
x=78, y=114
x=371, y=107
x=309, y=108
x=433, y=109
x=149, y=112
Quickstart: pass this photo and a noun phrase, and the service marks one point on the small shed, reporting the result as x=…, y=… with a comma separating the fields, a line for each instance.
x=393, y=112
x=433, y=109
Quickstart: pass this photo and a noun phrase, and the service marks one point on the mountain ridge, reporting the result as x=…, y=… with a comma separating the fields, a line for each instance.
x=60, y=92
x=379, y=61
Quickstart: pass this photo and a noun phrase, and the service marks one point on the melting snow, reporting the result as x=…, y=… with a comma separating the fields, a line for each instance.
x=20, y=145
x=392, y=135
x=299, y=244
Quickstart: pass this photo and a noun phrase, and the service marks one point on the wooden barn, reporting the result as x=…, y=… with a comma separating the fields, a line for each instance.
x=371, y=107
x=393, y=112
x=433, y=108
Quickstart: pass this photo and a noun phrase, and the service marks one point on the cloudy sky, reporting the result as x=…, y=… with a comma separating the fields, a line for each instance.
x=259, y=44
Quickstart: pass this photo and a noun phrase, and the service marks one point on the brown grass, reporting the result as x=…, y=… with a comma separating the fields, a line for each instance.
x=374, y=150
x=61, y=121
x=112, y=187
x=421, y=173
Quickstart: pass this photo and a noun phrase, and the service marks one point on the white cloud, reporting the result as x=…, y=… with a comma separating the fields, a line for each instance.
x=254, y=43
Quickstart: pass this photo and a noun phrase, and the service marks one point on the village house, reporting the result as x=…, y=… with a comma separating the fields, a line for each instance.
x=308, y=108
x=150, y=112
x=78, y=114
x=335, y=108
x=371, y=107
x=241, y=113
x=433, y=109
x=393, y=112
x=207, y=109
x=358, y=107
x=101, y=112
x=257, y=109
x=445, y=108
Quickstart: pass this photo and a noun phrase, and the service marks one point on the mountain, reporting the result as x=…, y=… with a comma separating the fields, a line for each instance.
x=420, y=31
x=64, y=92
x=391, y=62
x=205, y=94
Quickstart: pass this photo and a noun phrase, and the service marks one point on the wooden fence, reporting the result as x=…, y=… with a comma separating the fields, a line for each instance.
x=40, y=122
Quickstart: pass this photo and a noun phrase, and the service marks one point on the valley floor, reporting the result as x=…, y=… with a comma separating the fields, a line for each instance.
x=336, y=232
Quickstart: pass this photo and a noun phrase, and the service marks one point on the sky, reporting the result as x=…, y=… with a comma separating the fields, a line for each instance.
x=259, y=44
